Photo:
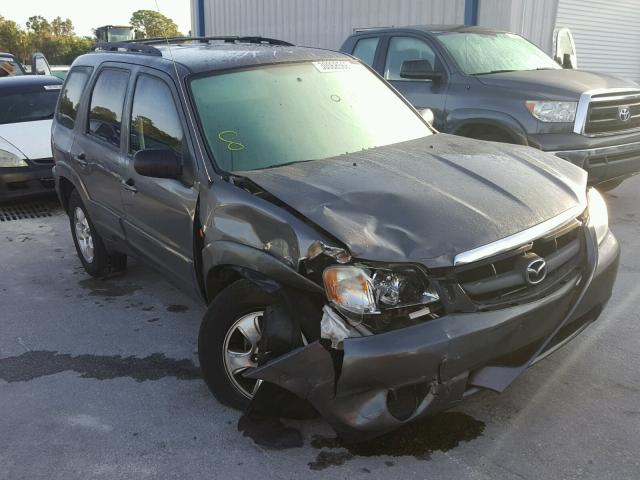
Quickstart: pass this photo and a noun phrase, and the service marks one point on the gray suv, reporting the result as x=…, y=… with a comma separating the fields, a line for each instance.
x=495, y=85
x=346, y=251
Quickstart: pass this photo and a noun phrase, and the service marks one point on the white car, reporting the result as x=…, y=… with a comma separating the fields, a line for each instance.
x=27, y=105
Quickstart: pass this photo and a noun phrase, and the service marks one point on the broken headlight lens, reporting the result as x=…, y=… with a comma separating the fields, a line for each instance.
x=598, y=215
x=362, y=290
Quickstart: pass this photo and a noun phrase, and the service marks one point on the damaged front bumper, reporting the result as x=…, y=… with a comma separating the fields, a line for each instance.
x=377, y=383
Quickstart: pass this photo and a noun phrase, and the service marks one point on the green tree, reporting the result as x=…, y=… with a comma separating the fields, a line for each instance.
x=151, y=24
x=55, y=38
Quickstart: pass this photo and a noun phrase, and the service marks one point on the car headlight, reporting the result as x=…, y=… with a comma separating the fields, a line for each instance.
x=10, y=160
x=546, y=111
x=362, y=290
x=598, y=215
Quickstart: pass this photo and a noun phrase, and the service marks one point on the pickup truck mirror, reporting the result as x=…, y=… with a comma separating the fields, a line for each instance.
x=427, y=114
x=157, y=163
x=419, y=70
x=567, y=61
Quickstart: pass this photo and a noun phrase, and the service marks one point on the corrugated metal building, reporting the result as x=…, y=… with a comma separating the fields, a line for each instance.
x=606, y=33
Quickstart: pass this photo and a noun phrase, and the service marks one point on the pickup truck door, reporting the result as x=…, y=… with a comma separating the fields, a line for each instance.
x=159, y=212
x=420, y=93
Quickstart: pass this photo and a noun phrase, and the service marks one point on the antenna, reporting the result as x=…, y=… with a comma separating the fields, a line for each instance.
x=186, y=104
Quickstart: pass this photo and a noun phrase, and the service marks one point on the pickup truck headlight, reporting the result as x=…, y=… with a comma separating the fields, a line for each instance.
x=598, y=215
x=11, y=160
x=546, y=111
x=363, y=290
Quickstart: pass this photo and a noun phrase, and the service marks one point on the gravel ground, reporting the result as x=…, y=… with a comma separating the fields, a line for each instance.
x=99, y=379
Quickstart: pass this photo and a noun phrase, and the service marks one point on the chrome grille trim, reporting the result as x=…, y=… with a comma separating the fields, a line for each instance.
x=521, y=238
x=602, y=95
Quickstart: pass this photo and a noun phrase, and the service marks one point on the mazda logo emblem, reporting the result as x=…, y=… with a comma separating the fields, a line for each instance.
x=624, y=113
x=536, y=271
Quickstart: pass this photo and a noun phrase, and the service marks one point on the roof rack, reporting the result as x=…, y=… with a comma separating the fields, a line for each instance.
x=225, y=39
x=126, y=47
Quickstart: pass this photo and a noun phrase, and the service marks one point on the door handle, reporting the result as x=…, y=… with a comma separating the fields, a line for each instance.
x=129, y=185
x=81, y=158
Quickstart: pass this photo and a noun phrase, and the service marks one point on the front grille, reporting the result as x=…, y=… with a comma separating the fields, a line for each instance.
x=501, y=281
x=604, y=114
x=43, y=161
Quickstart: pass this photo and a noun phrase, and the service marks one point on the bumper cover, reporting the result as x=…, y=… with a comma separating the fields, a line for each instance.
x=386, y=380
x=19, y=183
x=605, y=158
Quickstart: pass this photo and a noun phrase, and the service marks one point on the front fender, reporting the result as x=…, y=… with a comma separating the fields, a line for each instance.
x=458, y=119
x=227, y=253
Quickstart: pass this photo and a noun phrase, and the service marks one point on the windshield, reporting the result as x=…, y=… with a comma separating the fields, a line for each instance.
x=9, y=68
x=484, y=53
x=274, y=115
x=27, y=106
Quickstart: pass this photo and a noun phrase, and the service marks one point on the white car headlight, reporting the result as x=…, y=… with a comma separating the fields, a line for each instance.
x=10, y=160
x=598, y=215
x=546, y=111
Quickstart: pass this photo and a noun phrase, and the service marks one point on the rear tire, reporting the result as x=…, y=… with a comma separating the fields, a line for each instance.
x=93, y=254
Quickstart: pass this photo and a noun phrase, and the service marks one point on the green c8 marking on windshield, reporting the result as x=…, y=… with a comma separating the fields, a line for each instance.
x=232, y=145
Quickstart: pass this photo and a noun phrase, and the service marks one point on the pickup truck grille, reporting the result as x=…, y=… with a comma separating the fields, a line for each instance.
x=502, y=281
x=613, y=113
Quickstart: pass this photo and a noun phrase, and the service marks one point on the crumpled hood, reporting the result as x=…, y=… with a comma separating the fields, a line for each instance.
x=33, y=139
x=429, y=199
x=562, y=84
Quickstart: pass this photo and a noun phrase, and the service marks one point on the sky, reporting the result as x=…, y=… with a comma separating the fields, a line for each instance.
x=89, y=14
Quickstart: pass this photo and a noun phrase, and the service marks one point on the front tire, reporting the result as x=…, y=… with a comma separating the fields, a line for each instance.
x=93, y=254
x=228, y=342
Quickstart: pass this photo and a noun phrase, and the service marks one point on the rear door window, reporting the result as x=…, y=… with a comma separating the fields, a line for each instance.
x=154, y=118
x=107, y=101
x=402, y=49
x=365, y=49
x=71, y=94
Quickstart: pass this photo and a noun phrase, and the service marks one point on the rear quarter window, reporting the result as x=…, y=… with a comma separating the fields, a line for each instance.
x=71, y=94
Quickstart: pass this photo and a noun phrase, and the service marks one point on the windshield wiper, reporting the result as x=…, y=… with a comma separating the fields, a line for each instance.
x=496, y=71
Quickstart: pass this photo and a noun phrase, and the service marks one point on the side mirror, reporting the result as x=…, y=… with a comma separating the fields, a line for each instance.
x=567, y=61
x=419, y=70
x=39, y=65
x=157, y=163
x=427, y=114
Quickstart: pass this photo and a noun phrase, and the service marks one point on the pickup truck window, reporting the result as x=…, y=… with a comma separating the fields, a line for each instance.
x=406, y=48
x=274, y=115
x=365, y=49
x=9, y=68
x=486, y=53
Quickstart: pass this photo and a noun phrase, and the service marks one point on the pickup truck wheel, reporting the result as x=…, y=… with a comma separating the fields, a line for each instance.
x=228, y=342
x=95, y=258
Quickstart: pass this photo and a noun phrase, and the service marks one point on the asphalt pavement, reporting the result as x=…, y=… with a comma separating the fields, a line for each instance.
x=100, y=379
